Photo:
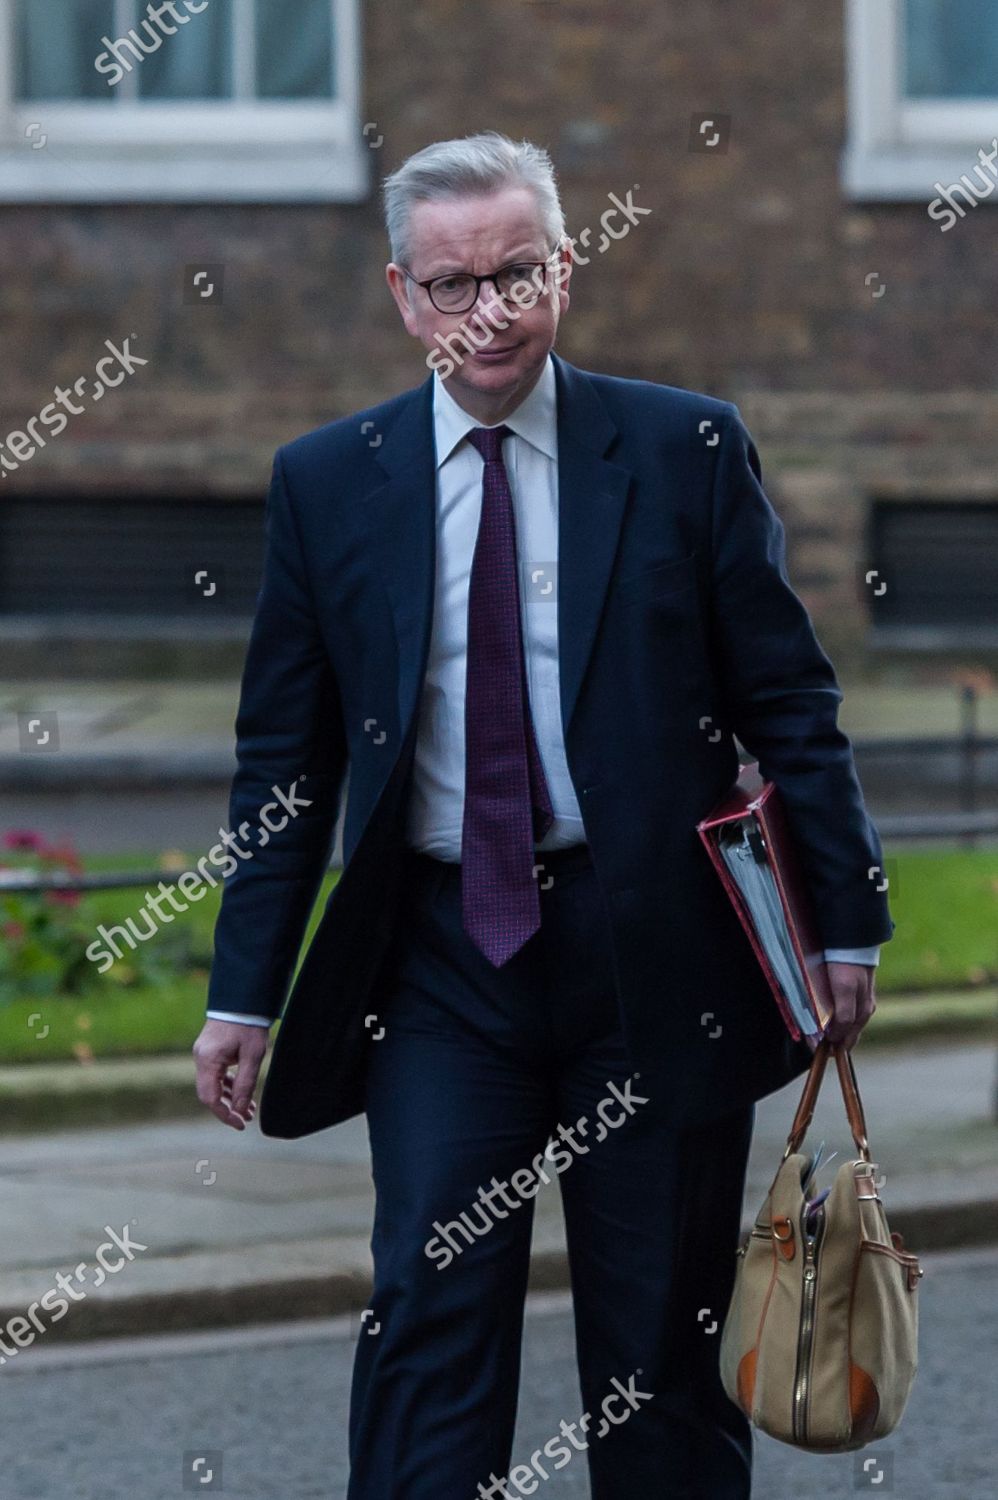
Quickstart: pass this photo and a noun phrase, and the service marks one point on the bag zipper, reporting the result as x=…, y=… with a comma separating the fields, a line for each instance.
x=805, y=1336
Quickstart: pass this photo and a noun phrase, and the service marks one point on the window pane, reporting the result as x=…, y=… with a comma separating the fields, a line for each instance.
x=294, y=49
x=55, y=558
x=951, y=49
x=195, y=62
x=56, y=45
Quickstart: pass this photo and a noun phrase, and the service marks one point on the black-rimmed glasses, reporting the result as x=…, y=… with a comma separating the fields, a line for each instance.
x=459, y=291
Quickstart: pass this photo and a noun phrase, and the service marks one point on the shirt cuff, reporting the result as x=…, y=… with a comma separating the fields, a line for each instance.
x=853, y=955
x=245, y=1020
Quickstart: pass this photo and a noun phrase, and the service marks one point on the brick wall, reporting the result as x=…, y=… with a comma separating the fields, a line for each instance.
x=747, y=281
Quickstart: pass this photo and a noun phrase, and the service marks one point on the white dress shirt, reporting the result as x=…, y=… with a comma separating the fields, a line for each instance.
x=435, y=809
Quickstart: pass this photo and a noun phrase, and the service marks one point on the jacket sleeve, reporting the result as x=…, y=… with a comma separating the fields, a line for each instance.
x=782, y=698
x=290, y=740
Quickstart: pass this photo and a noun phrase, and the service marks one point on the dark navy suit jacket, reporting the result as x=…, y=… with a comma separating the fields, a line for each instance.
x=678, y=630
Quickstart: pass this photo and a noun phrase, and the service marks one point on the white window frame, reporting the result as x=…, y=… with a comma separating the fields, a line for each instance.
x=134, y=150
x=901, y=149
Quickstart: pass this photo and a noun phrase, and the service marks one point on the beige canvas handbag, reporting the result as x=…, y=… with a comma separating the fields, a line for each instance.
x=819, y=1346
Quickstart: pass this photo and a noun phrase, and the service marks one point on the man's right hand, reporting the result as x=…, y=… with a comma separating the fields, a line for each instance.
x=223, y=1045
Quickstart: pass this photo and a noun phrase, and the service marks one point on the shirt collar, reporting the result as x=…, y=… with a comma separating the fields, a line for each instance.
x=535, y=419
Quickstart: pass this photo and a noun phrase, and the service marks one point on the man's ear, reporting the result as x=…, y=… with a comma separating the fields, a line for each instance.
x=563, y=275
x=398, y=285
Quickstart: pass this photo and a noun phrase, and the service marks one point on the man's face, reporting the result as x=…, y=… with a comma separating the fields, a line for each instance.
x=480, y=234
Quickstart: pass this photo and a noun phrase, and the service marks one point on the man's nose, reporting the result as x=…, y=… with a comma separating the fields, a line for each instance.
x=489, y=299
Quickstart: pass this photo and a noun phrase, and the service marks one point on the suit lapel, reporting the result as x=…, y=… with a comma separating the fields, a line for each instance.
x=592, y=493
x=401, y=519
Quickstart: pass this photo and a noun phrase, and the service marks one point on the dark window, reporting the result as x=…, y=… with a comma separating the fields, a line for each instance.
x=939, y=562
x=113, y=52
x=138, y=556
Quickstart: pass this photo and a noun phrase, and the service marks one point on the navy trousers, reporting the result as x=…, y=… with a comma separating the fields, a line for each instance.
x=485, y=1082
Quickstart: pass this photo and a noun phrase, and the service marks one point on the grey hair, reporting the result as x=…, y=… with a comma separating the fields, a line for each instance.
x=473, y=164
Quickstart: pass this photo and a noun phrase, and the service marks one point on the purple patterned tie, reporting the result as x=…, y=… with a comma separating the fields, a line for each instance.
x=506, y=801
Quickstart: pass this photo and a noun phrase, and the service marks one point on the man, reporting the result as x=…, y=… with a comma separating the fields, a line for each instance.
x=530, y=606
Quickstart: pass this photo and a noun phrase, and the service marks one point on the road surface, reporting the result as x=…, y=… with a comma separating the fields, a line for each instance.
x=261, y=1413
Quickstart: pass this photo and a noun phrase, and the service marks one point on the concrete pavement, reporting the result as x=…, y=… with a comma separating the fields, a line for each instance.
x=237, y=1228
x=263, y=1412
x=36, y=1097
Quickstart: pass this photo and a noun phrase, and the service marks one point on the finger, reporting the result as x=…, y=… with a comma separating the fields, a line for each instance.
x=845, y=1011
x=209, y=1081
x=245, y=1082
x=861, y=1016
x=214, y=1089
x=223, y=1111
x=838, y=1028
x=234, y=1116
x=227, y=1099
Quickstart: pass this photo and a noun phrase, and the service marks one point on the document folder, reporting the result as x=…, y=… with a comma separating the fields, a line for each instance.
x=751, y=845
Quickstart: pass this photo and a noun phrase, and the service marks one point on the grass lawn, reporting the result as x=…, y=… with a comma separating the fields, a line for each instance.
x=945, y=905
x=114, y=1021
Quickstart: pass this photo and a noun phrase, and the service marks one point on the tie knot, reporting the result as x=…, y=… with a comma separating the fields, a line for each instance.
x=488, y=441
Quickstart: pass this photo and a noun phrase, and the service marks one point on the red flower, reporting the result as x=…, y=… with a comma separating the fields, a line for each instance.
x=23, y=838
x=63, y=898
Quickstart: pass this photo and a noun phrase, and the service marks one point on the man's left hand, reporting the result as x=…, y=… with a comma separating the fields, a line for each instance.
x=853, y=996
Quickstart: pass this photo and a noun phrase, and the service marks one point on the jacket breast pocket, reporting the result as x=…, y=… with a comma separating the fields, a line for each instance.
x=670, y=577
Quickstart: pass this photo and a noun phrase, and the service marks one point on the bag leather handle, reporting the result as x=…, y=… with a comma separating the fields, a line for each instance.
x=850, y=1094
